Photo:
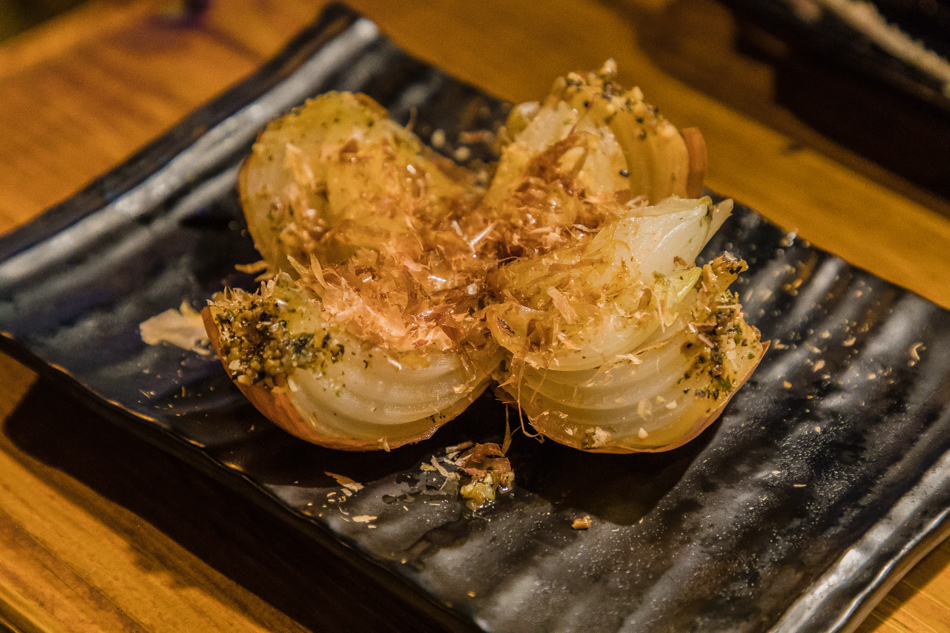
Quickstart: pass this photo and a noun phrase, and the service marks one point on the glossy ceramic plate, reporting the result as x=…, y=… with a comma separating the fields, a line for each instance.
x=825, y=478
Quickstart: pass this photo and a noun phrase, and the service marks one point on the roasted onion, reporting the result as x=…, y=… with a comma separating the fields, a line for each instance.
x=618, y=344
x=399, y=289
x=337, y=174
x=659, y=392
x=377, y=248
x=579, y=306
x=326, y=386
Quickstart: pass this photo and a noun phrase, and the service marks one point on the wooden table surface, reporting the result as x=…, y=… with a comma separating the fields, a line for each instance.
x=100, y=531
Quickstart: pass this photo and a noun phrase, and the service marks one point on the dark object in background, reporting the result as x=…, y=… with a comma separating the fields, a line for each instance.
x=855, y=92
x=186, y=12
x=924, y=20
x=195, y=7
x=17, y=16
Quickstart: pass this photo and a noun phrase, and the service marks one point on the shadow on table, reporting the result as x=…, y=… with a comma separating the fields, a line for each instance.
x=228, y=532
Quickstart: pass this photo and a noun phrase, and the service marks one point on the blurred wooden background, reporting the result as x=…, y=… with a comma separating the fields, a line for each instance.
x=17, y=16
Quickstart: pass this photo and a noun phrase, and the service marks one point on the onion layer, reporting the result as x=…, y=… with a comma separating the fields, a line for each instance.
x=328, y=387
x=614, y=144
x=579, y=306
x=657, y=396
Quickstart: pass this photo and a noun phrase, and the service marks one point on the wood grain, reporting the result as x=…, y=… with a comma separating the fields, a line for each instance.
x=90, y=541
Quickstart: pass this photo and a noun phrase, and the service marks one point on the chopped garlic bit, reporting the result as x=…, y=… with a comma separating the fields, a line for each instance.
x=491, y=474
x=597, y=437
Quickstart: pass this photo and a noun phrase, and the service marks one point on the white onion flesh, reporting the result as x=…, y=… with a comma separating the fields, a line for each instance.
x=352, y=392
x=338, y=162
x=353, y=409
x=600, y=175
x=655, y=397
x=659, y=234
x=604, y=278
x=631, y=148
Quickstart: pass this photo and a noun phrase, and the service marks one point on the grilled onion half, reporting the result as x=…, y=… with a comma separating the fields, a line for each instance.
x=618, y=343
x=615, y=340
x=656, y=393
x=368, y=336
x=325, y=385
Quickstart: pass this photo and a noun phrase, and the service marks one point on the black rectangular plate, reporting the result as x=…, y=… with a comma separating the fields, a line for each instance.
x=825, y=478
